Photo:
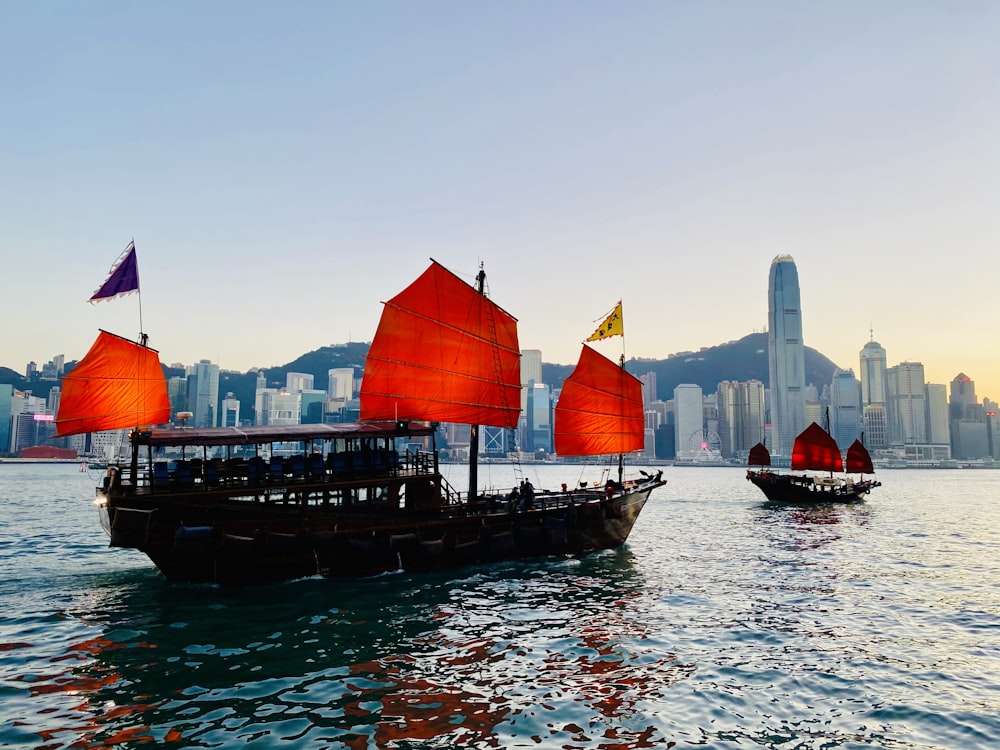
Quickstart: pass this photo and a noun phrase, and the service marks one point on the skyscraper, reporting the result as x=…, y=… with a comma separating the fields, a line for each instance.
x=907, y=401
x=874, y=418
x=785, y=355
x=690, y=417
x=845, y=421
x=203, y=394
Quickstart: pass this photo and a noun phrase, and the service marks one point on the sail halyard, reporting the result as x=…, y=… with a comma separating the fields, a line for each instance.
x=118, y=384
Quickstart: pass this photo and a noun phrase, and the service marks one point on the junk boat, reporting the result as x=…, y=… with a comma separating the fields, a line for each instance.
x=814, y=450
x=246, y=505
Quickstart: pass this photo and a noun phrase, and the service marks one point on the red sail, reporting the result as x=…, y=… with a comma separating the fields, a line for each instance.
x=118, y=384
x=859, y=461
x=599, y=411
x=443, y=353
x=815, y=449
x=759, y=456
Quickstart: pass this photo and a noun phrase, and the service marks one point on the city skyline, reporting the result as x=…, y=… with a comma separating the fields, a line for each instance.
x=283, y=170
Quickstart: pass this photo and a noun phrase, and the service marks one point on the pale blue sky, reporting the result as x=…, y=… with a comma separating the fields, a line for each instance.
x=284, y=167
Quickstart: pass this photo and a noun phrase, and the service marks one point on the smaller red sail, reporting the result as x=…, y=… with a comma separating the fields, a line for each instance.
x=599, y=411
x=815, y=449
x=859, y=461
x=759, y=456
x=117, y=385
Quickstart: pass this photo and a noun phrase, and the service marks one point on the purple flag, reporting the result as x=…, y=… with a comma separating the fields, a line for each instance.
x=124, y=277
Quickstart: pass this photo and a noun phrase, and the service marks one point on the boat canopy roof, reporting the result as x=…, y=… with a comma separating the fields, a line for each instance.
x=261, y=434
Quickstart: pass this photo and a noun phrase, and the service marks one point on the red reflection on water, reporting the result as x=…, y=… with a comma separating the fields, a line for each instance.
x=85, y=676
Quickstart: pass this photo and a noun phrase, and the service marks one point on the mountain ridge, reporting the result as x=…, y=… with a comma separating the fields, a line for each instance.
x=739, y=360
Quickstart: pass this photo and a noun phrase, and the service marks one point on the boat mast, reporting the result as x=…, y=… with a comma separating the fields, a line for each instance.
x=474, y=428
x=621, y=456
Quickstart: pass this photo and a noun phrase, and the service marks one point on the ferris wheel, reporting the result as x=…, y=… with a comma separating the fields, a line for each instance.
x=705, y=444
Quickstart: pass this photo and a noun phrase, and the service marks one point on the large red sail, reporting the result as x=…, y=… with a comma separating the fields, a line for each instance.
x=443, y=353
x=118, y=384
x=815, y=449
x=599, y=411
x=859, y=461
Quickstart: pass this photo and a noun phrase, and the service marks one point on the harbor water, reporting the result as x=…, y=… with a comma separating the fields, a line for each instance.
x=724, y=622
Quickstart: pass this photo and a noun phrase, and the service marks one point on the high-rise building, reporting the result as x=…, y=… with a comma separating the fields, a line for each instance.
x=689, y=418
x=340, y=383
x=539, y=413
x=203, y=394
x=938, y=431
x=845, y=408
x=969, y=438
x=6, y=399
x=296, y=382
x=785, y=355
x=874, y=415
x=531, y=372
x=229, y=411
x=907, y=408
x=648, y=381
x=741, y=416
x=177, y=394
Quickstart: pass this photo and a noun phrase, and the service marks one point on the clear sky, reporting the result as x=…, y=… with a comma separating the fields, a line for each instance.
x=286, y=166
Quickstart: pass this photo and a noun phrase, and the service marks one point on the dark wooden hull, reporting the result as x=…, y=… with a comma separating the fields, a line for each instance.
x=229, y=539
x=803, y=489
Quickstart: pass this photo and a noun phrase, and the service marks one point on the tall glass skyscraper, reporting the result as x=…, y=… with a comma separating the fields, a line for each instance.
x=873, y=395
x=785, y=355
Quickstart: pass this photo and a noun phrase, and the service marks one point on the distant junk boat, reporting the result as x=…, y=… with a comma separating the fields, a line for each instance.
x=814, y=450
x=367, y=497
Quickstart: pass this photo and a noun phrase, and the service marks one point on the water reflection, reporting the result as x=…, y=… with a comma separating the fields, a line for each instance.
x=511, y=653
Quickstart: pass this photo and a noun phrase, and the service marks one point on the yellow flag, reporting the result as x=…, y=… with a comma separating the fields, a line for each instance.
x=612, y=326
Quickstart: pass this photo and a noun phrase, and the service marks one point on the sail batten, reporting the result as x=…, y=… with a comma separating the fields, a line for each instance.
x=599, y=411
x=443, y=352
x=118, y=384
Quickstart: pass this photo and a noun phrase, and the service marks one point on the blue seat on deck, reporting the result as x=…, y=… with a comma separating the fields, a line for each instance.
x=277, y=468
x=297, y=466
x=161, y=474
x=316, y=467
x=256, y=470
x=212, y=473
x=182, y=474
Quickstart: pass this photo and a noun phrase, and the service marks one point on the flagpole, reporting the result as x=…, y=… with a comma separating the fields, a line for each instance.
x=143, y=339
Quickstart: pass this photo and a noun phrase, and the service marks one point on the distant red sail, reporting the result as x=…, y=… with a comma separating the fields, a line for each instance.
x=814, y=449
x=859, y=461
x=759, y=456
x=117, y=385
x=599, y=411
x=443, y=352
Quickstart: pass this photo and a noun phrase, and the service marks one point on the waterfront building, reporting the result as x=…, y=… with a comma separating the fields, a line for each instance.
x=531, y=372
x=648, y=381
x=874, y=413
x=938, y=430
x=785, y=355
x=177, y=394
x=203, y=394
x=845, y=408
x=6, y=412
x=277, y=407
x=539, y=413
x=906, y=392
x=689, y=418
x=340, y=383
x=741, y=412
x=969, y=438
x=229, y=411
x=312, y=404
x=296, y=382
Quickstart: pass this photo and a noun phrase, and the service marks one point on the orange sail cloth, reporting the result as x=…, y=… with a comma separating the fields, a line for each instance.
x=118, y=384
x=859, y=461
x=443, y=352
x=599, y=411
x=815, y=449
x=759, y=456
